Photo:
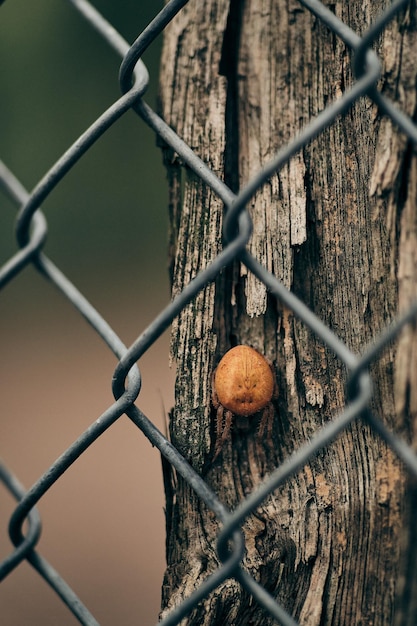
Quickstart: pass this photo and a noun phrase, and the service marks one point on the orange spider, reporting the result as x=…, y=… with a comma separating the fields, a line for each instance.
x=243, y=386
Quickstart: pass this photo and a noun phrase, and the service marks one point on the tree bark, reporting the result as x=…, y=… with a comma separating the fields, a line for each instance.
x=337, y=226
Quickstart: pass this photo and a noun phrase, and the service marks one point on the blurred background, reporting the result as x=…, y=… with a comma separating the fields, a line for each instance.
x=103, y=521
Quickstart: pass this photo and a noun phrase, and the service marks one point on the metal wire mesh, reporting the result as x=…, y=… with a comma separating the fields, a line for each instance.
x=31, y=228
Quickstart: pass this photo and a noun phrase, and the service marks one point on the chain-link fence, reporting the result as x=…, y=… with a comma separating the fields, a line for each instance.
x=31, y=228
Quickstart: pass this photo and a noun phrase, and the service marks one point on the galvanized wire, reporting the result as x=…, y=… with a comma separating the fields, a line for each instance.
x=31, y=230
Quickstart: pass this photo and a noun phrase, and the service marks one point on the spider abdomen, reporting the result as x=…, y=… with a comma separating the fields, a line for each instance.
x=244, y=382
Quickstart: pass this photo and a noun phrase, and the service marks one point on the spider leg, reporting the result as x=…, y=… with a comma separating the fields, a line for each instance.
x=266, y=424
x=219, y=429
x=223, y=428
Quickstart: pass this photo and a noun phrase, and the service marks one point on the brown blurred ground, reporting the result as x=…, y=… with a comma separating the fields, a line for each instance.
x=103, y=526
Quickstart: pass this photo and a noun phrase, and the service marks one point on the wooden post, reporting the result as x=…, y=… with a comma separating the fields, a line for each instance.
x=337, y=226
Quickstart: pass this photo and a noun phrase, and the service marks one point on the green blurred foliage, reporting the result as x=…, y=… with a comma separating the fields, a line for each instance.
x=108, y=217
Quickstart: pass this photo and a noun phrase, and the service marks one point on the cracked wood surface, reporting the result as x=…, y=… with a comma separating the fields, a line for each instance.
x=337, y=226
